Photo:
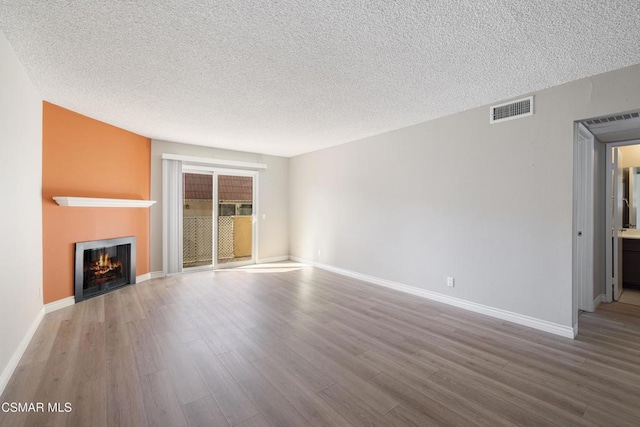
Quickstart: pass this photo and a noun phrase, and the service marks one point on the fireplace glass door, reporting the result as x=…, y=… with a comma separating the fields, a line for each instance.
x=104, y=265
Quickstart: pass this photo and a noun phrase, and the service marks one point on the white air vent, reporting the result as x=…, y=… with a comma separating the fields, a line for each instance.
x=511, y=110
x=616, y=118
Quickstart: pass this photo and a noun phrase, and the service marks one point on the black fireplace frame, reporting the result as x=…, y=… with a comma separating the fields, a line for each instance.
x=97, y=244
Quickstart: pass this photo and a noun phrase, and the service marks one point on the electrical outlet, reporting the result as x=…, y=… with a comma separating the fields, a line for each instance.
x=450, y=282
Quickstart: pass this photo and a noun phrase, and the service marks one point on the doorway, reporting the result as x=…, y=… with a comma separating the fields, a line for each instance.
x=603, y=185
x=218, y=220
x=625, y=183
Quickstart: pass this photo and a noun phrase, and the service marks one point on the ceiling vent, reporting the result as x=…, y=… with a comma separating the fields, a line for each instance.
x=511, y=110
x=615, y=118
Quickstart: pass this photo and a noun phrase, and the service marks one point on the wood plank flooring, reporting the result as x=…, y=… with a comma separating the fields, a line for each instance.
x=630, y=296
x=290, y=345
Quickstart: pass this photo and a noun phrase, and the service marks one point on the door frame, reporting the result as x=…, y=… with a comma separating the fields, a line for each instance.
x=582, y=289
x=613, y=257
x=215, y=172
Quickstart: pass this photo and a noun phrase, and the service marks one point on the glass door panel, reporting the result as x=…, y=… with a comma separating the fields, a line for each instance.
x=235, y=218
x=197, y=220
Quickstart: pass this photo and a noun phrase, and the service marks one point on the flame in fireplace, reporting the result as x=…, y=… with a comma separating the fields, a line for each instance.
x=104, y=265
x=104, y=260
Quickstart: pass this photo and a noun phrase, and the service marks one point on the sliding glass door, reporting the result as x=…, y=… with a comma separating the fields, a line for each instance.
x=218, y=217
x=197, y=220
x=235, y=218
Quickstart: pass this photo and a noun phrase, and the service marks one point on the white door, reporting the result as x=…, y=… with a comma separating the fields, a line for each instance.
x=583, y=226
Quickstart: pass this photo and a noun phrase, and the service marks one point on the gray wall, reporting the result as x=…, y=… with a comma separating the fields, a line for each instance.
x=273, y=197
x=490, y=205
x=21, y=225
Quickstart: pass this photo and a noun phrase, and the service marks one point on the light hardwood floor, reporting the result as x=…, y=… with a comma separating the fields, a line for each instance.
x=630, y=296
x=279, y=346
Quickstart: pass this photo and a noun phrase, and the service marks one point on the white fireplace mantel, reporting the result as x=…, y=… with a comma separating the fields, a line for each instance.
x=91, y=202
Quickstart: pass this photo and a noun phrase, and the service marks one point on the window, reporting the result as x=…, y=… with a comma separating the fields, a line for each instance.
x=245, y=210
x=227, y=209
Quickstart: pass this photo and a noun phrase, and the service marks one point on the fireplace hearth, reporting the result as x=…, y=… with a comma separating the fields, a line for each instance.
x=103, y=266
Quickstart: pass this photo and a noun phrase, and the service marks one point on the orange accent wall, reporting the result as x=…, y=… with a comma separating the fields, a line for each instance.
x=84, y=157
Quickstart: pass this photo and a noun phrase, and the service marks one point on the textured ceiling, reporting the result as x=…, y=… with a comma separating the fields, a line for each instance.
x=291, y=76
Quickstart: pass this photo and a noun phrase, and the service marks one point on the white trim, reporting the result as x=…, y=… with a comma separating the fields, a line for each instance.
x=17, y=355
x=618, y=195
x=273, y=259
x=213, y=162
x=532, y=322
x=575, y=330
x=157, y=274
x=607, y=225
x=61, y=303
x=69, y=301
x=92, y=202
x=598, y=300
x=143, y=277
x=211, y=170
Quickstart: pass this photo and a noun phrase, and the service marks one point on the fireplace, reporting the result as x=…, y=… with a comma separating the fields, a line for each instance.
x=104, y=265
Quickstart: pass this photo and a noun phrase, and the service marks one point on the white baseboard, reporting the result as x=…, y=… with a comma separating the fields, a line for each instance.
x=598, y=300
x=143, y=277
x=157, y=274
x=69, y=301
x=61, y=303
x=273, y=259
x=532, y=322
x=17, y=355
